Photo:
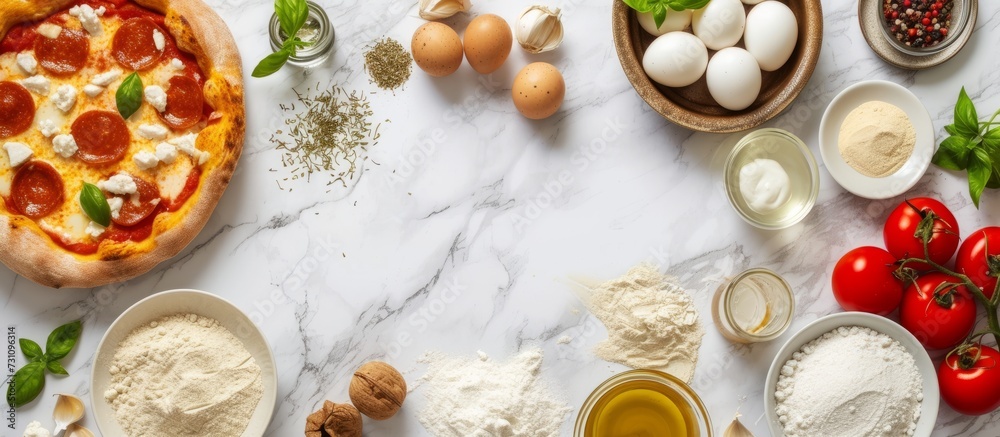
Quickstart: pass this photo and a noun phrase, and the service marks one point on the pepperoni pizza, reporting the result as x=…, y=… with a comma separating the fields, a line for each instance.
x=161, y=170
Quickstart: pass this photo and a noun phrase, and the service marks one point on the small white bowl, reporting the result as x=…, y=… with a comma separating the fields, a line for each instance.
x=174, y=302
x=849, y=178
x=812, y=331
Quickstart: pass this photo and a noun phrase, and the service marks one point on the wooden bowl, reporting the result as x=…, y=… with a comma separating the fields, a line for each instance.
x=692, y=106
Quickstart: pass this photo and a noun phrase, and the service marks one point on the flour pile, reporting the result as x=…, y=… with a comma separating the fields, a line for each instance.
x=652, y=322
x=183, y=375
x=477, y=397
x=850, y=382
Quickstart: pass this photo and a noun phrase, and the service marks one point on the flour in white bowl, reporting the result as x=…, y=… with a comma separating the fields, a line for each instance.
x=850, y=382
x=183, y=375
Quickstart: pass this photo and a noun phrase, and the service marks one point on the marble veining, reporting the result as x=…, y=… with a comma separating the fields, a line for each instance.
x=469, y=227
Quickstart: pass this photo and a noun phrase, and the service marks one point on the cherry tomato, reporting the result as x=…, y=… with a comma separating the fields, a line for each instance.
x=906, y=221
x=979, y=258
x=971, y=385
x=864, y=280
x=939, y=318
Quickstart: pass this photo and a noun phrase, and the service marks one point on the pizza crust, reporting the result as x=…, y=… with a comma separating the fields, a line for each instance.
x=199, y=31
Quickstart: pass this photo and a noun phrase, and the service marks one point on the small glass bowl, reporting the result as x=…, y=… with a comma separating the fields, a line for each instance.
x=744, y=293
x=960, y=14
x=322, y=46
x=796, y=159
x=702, y=426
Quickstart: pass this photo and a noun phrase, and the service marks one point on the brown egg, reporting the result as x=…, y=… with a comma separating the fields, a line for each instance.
x=487, y=43
x=437, y=49
x=538, y=90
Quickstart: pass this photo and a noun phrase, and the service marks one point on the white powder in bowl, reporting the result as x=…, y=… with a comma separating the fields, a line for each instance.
x=183, y=375
x=850, y=382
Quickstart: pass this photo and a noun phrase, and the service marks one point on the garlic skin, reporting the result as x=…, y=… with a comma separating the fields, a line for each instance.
x=540, y=29
x=75, y=430
x=440, y=9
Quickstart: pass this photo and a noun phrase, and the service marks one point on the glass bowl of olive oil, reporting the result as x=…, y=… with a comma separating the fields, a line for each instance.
x=643, y=403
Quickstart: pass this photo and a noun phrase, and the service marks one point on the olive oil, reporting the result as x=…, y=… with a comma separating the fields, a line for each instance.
x=642, y=408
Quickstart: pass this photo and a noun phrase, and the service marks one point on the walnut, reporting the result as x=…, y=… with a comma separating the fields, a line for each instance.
x=334, y=420
x=378, y=390
x=344, y=422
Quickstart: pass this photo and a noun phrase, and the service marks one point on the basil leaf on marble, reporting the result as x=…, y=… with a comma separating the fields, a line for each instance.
x=971, y=147
x=31, y=350
x=56, y=368
x=272, y=63
x=27, y=384
x=129, y=95
x=62, y=340
x=95, y=204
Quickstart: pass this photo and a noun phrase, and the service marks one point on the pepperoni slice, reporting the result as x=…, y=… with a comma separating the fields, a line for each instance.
x=185, y=103
x=134, y=47
x=17, y=109
x=137, y=207
x=101, y=136
x=64, y=55
x=37, y=190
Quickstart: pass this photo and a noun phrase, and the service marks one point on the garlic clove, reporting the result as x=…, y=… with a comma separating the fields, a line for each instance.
x=540, y=29
x=439, y=9
x=69, y=410
x=74, y=430
x=736, y=429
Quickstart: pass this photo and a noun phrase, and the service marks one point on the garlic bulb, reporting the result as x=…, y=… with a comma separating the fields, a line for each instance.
x=438, y=9
x=540, y=29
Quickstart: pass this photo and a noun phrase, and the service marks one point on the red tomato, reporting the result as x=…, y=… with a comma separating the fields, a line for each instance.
x=970, y=385
x=863, y=280
x=941, y=320
x=979, y=258
x=904, y=223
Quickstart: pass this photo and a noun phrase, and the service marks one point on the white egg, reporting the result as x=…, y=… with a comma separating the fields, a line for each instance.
x=751, y=2
x=771, y=34
x=676, y=20
x=675, y=59
x=733, y=78
x=720, y=24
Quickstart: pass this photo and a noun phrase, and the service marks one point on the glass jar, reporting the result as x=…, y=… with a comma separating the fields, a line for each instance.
x=317, y=30
x=643, y=402
x=756, y=305
x=960, y=15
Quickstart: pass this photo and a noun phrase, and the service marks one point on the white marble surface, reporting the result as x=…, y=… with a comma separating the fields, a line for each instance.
x=471, y=242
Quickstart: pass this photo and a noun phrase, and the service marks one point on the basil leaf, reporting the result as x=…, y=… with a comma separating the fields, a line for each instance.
x=27, y=384
x=95, y=205
x=958, y=150
x=659, y=14
x=951, y=129
x=31, y=349
x=641, y=6
x=947, y=159
x=994, y=181
x=292, y=14
x=272, y=63
x=980, y=172
x=966, y=119
x=62, y=340
x=129, y=95
x=56, y=368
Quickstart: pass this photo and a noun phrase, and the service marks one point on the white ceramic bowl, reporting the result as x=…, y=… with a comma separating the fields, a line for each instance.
x=849, y=178
x=812, y=331
x=183, y=301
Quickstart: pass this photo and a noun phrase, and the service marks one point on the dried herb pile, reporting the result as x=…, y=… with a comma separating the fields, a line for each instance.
x=328, y=133
x=388, y=64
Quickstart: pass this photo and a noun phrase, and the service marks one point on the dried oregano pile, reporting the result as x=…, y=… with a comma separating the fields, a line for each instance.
x=326, y=134
x=388, y=64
